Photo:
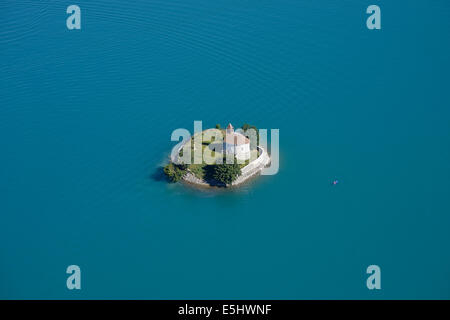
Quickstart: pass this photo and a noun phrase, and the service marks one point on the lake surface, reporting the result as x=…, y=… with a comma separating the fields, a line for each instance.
x=85, y=123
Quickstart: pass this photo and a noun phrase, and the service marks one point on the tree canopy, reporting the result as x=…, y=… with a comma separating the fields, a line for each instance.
x=226, y=173
x=246, y=127
x=175, y=172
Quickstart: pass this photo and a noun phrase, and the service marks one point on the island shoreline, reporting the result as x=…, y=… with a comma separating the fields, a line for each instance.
x=250, y=170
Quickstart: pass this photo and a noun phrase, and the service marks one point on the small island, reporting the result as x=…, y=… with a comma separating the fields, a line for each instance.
x=227, y=157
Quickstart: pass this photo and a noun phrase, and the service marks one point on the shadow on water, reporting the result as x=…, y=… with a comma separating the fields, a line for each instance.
x=159, y=175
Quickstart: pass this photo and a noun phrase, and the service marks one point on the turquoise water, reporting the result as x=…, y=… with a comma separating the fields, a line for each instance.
x=86, y=118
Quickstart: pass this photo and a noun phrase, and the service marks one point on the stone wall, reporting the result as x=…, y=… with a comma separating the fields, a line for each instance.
x=253, y=167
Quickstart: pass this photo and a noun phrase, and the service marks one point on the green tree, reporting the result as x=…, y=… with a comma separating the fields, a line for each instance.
x=175, y=172
x=226, y=173
x=247, y=126
x=218, y=126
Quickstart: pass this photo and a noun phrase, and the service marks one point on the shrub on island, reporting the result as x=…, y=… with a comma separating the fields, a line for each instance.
x=175, y=172
x=226, y=173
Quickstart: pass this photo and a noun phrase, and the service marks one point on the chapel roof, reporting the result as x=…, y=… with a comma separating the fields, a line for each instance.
x=236, y=139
